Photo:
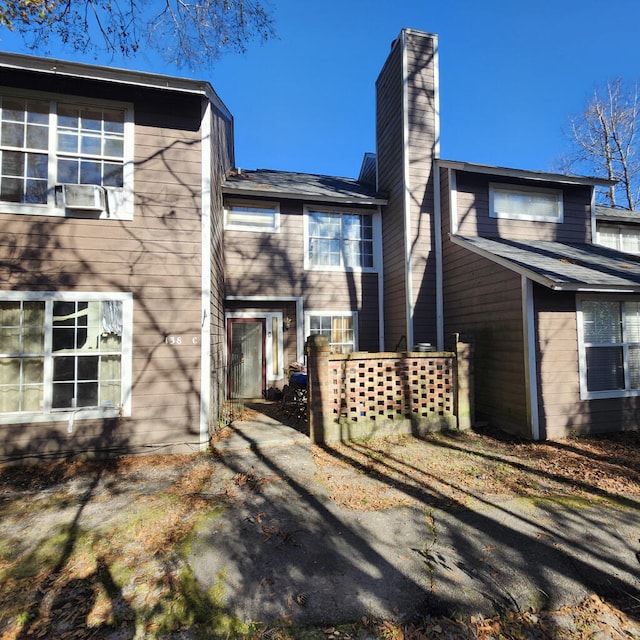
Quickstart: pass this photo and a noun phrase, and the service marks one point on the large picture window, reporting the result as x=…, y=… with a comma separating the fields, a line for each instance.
x=44, y=143
x=338, y=328
x=609, y=348
x=525, y=203
x=339, y=240
x=62, y=353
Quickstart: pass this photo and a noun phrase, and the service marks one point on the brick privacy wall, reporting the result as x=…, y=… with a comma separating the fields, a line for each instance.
x=366, y=394
x=368, y=387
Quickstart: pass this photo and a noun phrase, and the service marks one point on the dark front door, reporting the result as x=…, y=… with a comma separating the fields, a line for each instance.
x=246, y=357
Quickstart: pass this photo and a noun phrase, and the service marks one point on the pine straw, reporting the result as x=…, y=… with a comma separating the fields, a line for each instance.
x=453, y=470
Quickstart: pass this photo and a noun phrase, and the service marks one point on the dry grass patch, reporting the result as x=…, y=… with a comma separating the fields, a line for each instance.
x=453, y=470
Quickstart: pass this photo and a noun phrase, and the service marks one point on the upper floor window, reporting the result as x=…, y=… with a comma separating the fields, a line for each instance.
x=252, y=217
x=609, y=339
x=64, y=353
x=339, y=240
x=516, y=202
x=46, y=145
x=622, y=239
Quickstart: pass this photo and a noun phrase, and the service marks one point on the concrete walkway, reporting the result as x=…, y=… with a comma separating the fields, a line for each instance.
x=283, y=550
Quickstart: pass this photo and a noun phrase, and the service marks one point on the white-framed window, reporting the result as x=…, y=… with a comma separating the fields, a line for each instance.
x=516, y=202
x=340, y=328
x=341, y=239
x=47, y=142
x=609, y=347
x=63, y=353
x=620, y=238
x=247, y=216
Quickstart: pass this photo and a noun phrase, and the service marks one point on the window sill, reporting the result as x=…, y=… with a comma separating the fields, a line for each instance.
x=62, y=415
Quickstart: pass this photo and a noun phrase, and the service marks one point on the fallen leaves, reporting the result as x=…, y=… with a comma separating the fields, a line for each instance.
x=446, y=470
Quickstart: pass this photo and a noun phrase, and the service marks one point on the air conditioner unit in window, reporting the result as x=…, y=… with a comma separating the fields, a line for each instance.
x=84, y=197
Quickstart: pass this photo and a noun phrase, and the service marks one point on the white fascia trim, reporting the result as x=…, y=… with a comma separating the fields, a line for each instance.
x=205, y=275
x=299, y=315
x=453, y=201
x=113, y=75
x=437, y=239
x=594, y=226
x=530, y=363
x=525, y=174
x=406, y=195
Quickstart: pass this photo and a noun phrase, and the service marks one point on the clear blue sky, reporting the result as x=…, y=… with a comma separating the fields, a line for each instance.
x=510, y=74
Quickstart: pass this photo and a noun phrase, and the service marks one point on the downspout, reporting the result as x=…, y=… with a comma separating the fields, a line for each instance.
x=205, y=295
x=437, y=213
x=594, y=225
x=437, y=238
x=530, y=361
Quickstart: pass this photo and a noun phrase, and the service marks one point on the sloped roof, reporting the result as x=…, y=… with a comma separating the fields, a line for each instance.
x=69, y=69
x=609, y=214
x=301, y=186
x=523, y=174
x=559, y=266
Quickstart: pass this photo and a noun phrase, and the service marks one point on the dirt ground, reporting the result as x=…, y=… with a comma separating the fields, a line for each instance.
x=98, y=550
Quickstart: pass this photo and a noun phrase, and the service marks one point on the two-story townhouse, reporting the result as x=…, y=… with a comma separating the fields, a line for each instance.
x=508, y=258
x=303, y=256
x=111, y=301
x=555, y=318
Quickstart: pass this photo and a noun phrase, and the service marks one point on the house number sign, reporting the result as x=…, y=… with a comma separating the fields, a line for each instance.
x=178, y=341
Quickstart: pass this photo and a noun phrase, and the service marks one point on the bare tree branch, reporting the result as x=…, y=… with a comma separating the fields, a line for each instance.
x=603, y=142
x=190, y=34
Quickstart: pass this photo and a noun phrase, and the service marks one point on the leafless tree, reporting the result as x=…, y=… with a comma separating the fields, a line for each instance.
x=603, y=142
x=189, y=33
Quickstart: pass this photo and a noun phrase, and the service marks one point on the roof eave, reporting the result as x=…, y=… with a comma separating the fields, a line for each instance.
x=524, y=174
x=307, y=197
x=554, y=285
x=50, y=66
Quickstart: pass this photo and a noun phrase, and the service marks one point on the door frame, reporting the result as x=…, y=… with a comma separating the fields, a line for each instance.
x=266, y=317
x=246, y=320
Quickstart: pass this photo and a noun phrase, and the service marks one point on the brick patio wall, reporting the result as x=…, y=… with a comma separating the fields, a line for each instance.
x=361, y=395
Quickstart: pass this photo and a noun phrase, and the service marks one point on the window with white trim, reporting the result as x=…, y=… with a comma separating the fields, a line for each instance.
x=61, y=353
x=339, y=240
x=46, y=143
x=609, y=344
x=515, y=202
x=264, y=216
x=339, y=328
x=621, y=239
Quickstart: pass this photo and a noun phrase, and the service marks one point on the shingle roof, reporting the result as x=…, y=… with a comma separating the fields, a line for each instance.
x=559, y=266
x=609, y=214
x=305, y=186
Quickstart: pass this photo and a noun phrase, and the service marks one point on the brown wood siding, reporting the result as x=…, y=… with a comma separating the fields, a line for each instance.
x=389, y=144
x=482, y=301
x=474, y=220
x=272, y=265
x=421, y=108
x=562, y=412
x=156, y=257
